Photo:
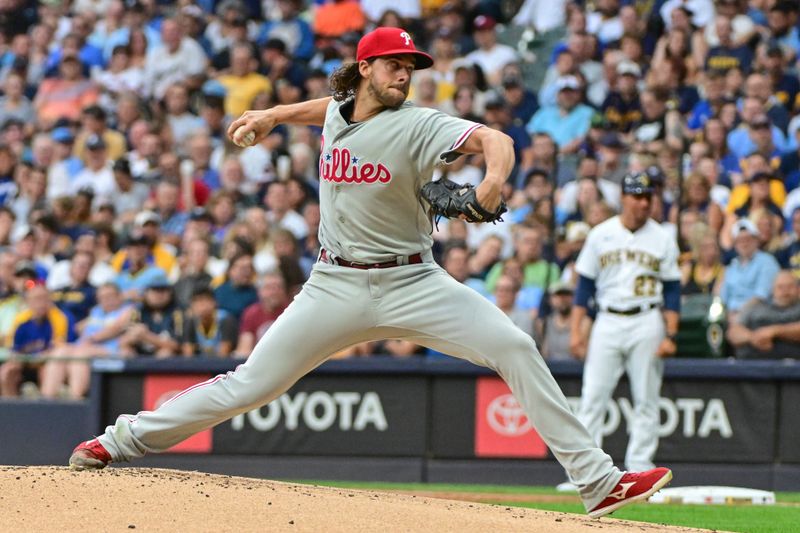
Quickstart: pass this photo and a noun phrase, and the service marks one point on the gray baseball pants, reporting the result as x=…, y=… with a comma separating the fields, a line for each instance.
x=341, y=306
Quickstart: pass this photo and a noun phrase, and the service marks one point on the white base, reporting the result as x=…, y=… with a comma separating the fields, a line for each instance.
x=714, y=496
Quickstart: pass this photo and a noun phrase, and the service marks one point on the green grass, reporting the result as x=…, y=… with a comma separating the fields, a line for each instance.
x=746, y=518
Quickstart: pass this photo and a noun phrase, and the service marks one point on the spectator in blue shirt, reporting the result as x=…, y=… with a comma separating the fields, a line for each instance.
x=751, y=273
x=8, y=162
x=741, y=141
x=100, y=337
x=498, y=116
x=75, y=44
x=36, y=331
x=137, y=273
x=295, y=31
x=708, y=107
x=567, y=122
x=784, y=34
x=524, y=103
x=237, y=291
x=173, y=221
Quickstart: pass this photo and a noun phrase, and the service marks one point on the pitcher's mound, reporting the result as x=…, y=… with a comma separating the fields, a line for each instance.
x=43, y=499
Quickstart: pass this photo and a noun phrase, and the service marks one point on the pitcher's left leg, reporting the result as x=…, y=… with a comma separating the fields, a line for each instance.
x=443, y=314
x=645, y=371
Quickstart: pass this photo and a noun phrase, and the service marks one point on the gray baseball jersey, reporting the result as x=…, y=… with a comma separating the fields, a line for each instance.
x=370, y=176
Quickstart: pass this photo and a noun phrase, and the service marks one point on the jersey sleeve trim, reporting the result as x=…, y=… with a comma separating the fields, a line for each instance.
x=449, y=156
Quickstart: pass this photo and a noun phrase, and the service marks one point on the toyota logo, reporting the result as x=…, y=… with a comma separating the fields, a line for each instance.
x=506, y=417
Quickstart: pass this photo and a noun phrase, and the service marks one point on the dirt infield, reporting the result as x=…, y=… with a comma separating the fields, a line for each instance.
x=45, y=499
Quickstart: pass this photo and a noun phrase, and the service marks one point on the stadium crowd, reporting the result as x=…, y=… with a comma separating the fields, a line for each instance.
x=130, y=226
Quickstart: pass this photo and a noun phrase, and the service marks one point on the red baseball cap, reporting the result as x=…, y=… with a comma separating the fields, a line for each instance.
x=391, y=41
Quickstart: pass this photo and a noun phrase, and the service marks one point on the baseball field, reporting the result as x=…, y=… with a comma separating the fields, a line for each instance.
x=44, y=499
x=781, y=518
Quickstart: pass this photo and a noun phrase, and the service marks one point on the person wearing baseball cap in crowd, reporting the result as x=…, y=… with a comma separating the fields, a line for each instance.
x=97, y=174
x=491, y=56
x=66, y=165
x=498, y=115
x=137, y=269
x=552, y=330
x=156, y=323
x=524, y=102
x=93, y=122
x=38, y=330
x=751, y=273
x=147, y=224
x=759, y=199
x=567, y=121
x=753, y=164
x=13, y=302
x=621, y=107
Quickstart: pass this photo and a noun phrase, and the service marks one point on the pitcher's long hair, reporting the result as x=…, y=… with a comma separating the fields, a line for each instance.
x=344, y=81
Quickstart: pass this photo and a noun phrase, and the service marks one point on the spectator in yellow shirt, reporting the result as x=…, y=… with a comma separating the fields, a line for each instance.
x=757, y=163
x=159, y=255
x=93, y=122
x=242, y=83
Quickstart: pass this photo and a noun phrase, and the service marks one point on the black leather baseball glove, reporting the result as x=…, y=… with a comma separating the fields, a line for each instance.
x=451, y=200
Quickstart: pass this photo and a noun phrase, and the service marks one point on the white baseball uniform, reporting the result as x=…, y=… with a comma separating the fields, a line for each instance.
x=370, y=176
x=628, y=269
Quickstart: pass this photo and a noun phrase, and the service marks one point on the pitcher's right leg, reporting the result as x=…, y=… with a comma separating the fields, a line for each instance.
x=445, y=315
x=325, y=317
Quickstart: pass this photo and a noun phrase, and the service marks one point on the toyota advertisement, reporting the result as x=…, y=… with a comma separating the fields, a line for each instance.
x=711, y=421
x=466, y=417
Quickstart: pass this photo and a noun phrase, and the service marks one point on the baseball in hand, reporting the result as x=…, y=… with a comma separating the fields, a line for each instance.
x=243, y=140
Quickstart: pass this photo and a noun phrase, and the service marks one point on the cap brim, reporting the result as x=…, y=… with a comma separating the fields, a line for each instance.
x=422, y=60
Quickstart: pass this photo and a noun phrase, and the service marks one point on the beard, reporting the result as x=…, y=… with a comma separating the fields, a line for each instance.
x=388, y=98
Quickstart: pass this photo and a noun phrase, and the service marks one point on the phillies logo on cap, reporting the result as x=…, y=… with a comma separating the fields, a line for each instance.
x=387, y=41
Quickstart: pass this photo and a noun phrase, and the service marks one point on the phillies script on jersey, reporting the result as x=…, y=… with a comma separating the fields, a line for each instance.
x=340, y=166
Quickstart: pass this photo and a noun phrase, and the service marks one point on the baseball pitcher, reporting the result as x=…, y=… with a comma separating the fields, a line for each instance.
x=375, y=277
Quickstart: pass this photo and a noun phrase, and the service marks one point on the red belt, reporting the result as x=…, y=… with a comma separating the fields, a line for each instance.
x=412, y=260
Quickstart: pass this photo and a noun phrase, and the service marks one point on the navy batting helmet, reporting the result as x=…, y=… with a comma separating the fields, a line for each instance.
x=637, y=183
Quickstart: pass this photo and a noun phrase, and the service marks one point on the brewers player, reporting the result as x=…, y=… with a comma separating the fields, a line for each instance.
x=629, y=263
x=376, y=279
